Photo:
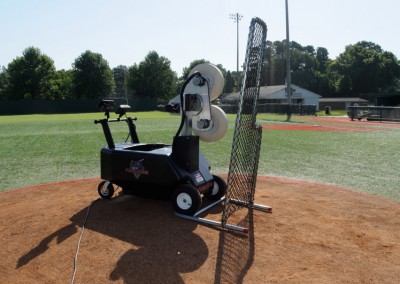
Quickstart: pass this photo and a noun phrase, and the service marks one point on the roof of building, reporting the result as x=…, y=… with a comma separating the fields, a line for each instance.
x=267, y=92
x=345, y=100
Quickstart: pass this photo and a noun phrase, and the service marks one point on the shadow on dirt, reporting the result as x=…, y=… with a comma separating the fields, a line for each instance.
x=235, y=253
x=164, y=245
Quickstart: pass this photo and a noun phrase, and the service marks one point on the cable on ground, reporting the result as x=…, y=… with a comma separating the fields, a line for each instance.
x=79, y=241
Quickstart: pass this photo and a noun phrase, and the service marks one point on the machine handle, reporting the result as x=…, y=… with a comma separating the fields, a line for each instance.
x=121, y=119
x=99, y=121
x=113, y=120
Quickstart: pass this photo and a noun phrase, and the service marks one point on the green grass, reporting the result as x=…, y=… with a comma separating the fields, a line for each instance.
x=364, y=161
x=38, y=149
x=340, y=112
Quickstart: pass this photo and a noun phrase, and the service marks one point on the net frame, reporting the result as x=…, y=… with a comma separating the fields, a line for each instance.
x=243, y=167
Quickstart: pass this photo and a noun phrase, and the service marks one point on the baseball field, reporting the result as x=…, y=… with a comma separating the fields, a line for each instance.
x=332, y=184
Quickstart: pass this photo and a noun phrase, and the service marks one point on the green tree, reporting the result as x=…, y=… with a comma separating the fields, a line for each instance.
x=3, y=82
x=277, y=65
x=322, y=57
x=229, y=83
x=310, y=50
x=268, y=62
x=93, y=77
x=121, y=76
x=303, y=66
x=363, y=68
x=322, y=85
x=63, y=84
x=31, y=76
x=153, y=77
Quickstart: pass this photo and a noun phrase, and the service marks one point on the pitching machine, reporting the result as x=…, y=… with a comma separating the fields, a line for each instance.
x=179, y=170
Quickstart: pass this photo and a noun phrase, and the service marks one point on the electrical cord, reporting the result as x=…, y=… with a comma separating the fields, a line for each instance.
x=80, y=238
x=181, y=98
x=79, y=241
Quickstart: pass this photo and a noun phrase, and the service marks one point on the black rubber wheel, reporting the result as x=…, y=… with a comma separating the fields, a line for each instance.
x=219, y=189
x=186, y=199
x=105, y=189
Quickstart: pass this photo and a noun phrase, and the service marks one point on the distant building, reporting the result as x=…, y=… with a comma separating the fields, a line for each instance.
x=278, y=95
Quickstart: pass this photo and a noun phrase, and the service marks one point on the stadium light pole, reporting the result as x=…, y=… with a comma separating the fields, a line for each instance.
x=288, y=75
x=236, y=18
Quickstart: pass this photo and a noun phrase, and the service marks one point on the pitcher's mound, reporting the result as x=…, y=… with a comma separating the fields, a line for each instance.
x=316, y=234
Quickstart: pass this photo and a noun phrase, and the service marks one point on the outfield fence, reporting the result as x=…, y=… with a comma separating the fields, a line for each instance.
x=10, y=107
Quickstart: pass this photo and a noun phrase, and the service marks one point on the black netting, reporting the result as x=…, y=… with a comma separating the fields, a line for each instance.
x=247, y=135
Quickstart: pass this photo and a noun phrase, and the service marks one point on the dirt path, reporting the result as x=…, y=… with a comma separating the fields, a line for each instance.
x=331, y=124
x=316, y=234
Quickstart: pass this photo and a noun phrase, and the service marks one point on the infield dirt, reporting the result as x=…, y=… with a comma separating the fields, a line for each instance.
x=317, y=233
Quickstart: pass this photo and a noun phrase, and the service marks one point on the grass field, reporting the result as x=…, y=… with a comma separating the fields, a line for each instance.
x=38, y=149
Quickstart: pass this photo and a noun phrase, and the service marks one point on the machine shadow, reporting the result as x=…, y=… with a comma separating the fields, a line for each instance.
x=235, y=253
x=163, y=245
x=60, y=235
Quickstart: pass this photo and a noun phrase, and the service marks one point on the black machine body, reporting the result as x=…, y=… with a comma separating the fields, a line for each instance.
x=178, y=170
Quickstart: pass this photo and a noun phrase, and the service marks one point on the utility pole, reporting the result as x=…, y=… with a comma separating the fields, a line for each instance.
x=236, y=18
x=288, y=69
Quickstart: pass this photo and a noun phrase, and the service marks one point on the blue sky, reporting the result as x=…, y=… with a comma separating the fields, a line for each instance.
x=125, y=31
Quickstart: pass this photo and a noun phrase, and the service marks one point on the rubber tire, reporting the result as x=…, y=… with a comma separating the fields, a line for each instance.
x=220, y=186
x=218, y=128
x=105, y=189
x=189, y=196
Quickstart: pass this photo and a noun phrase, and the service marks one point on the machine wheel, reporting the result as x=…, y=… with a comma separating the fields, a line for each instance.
x=214, y=77
x=219, y=189
x=105, y=189
x=219, y=126
x=186, y=199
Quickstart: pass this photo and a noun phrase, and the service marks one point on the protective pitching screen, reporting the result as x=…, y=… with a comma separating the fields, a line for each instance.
x=246, y=144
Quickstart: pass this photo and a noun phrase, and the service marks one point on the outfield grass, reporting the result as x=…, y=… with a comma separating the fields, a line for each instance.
x=37, y=149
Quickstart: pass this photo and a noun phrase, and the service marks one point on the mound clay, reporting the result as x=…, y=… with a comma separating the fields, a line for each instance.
x=316, y=234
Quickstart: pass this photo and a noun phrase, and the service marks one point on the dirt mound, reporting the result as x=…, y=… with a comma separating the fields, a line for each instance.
x=316, y=234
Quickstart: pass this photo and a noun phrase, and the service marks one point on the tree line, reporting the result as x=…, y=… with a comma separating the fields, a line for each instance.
x=364, y=67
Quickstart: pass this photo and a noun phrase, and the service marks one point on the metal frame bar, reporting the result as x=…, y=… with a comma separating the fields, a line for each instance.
x=260, y=207
x=221, y=224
